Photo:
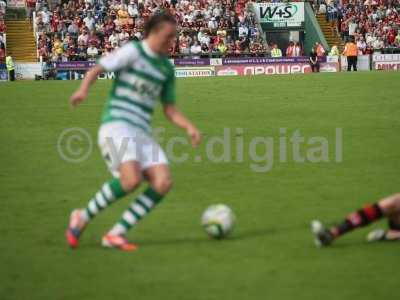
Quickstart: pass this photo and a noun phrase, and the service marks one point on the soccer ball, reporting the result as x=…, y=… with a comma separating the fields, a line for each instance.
x=218, y=220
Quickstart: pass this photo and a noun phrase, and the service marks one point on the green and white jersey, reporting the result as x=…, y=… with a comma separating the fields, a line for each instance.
x=141, y=78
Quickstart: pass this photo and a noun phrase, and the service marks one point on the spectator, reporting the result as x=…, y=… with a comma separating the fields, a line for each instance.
x=203, y=37
x=45, y=15
x=314, y=61
x=43, y=53
x=81, y=53
x=293, y=49
x=123, y=35
x=297, y=51
x=92, y=52
x=332, y=14
x=30, y=8
x=243, y=30
x=222, y=48
x=238, y=48
x=319, y=49
x=212, y=24
x=361, y=46
x=3, y=27
x=334, y=51
x=10, y=68
x=89, y=21
x=133, y=10
x=93, y=39
x=3, y=5
x=83, y=37
x=322, y=8
x=351, y=51
x=114, y=38
x=397, y=39
x=195, y=49
x=205, y=50
x=58, y=48
x=352, y=26
x=2, y=53
x=73, y=29
x=276, y=52
x=289, y=49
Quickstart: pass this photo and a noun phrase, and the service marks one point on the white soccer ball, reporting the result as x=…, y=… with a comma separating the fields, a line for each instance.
x=218, y=221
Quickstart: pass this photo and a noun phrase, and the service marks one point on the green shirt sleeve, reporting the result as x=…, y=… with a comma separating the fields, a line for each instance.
x=168, y=94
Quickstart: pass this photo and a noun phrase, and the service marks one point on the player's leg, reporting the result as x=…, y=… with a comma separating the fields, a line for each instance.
x=156, y=172
x=160, y=183
x=112, y=190
x=389, y=207
x=127, y=176
x=394, y=229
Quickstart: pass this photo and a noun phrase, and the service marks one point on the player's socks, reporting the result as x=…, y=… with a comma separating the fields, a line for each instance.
x=359, y=218
x=143, y=204
x=109, y=192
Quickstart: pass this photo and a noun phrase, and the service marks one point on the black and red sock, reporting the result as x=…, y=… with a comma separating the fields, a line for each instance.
x=359, y=218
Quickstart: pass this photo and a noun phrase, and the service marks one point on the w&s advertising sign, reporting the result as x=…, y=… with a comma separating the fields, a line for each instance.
x=287, y=15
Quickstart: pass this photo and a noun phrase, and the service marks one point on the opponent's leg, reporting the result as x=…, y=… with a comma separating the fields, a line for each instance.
x=359, y=218
x=394, y=229
x=116, y=188
x=160, y=182
x=389, y=207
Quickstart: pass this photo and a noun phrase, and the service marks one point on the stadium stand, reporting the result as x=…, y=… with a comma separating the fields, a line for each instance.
x=21, y=43
x=373, y=23
x=83, y=30
x=2, y=42
x=3, y=28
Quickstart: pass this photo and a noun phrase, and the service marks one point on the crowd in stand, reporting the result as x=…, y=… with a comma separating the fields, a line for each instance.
x=86, y=29
x=374, y=24
x=2, y=31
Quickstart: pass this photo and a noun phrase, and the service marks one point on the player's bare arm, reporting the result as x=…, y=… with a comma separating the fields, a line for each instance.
x=90, y=78
x=176, y=117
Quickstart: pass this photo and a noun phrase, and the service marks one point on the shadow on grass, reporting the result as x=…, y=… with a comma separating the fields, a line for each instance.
x=92, y=242
x=203, y=239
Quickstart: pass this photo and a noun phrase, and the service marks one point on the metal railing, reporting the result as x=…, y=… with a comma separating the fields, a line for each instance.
x=36, y=36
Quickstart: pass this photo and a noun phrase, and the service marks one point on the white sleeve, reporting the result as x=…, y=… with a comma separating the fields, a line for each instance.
x=120, y=58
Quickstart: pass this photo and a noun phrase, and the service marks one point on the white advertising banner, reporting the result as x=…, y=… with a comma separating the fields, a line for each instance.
x=27, y=70
x=386, y=62
x=280, y=15
x=194, y=71
x=215, y=61
x=16, y=3
x=362, y=63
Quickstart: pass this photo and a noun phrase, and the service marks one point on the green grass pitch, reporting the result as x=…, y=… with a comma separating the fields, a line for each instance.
x=270, y=255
